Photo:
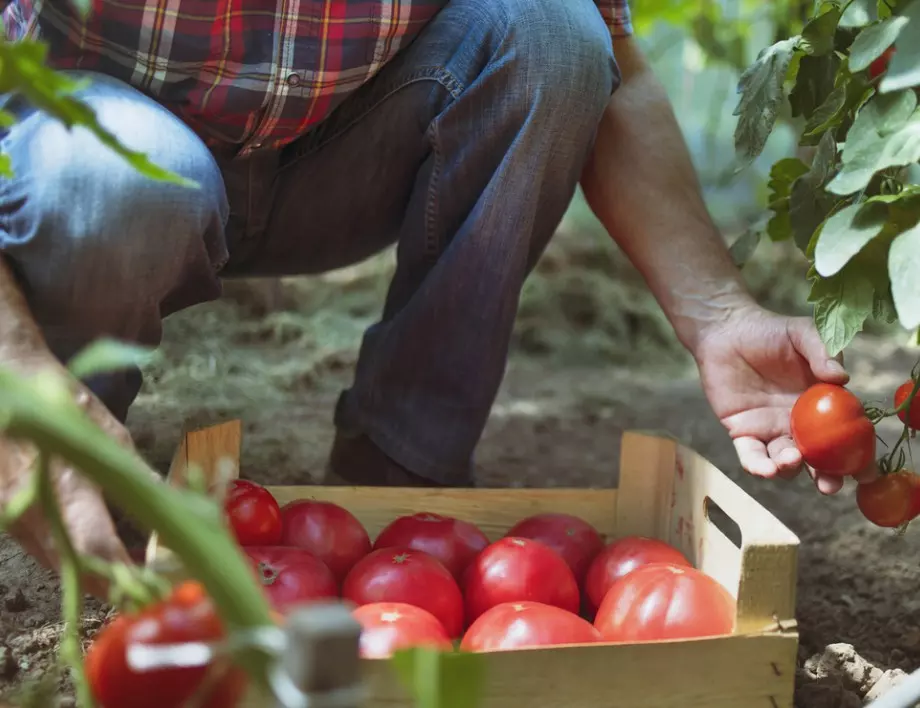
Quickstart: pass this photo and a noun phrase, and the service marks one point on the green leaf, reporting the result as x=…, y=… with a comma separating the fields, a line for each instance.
x=872, y=42
x=904, y=68
x=105, y=356
x=843, y=303
x=782, y=176
x=813, y=83
x=845, y=234
x=883, y=308
x=903, y=267
x=828, y=113
x=809, y=204
x=441, y=679
x=761, y=89
x=899, y=148
x=744, y=246
x=859, y=13
x=818, y=33
x=881, y=115
x=6, y=165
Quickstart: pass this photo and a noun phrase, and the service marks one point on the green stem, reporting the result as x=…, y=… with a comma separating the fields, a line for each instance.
x=41, y=410
x=71, y=650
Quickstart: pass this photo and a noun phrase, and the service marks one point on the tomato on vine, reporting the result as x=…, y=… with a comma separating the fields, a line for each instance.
x=880, y=65
x=832, y=431
x=910, y=416
x=889, y=500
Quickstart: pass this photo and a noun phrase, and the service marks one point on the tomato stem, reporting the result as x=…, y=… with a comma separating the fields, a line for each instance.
x=71, y=650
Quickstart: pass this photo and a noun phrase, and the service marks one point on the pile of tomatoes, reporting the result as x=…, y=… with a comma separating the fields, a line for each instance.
x=432, y=580
x=830, y=427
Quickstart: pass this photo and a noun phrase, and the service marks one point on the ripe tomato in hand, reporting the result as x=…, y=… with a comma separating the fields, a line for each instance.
x=577, y=541
x=526, y=625
x=387, y=627
x=253, y=514
x=291, y=576
x=831, y=430
x=890, y=500
x=187, y=615
x=517, y=569
x=412, y=577
x=452, y=541
x=910, y=415
x=621, y=557
x=880, y=65
x=664, y=601
x=331, y=533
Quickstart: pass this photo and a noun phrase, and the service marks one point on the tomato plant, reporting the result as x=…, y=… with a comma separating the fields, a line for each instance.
x=187, y=615
x=830, y=428
x=292, y=576
x=910, y=414
x=880, y=66
x=889, y=501
x=621, y=557
x=577, y=541
x=664, y=601
x=452, y=541
x=412, y=577
x=387, y=627
x=331, y=533
x=516, y=569
x=253, y=514
x=526, y=625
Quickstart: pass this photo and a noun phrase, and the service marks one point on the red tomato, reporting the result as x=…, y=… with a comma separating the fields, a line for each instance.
x=889, y=501
x=253, y=514
x=388, y=627
x=831, y=430
x=664, y=601
x=577, y=541
x=621, y=557
x=412, y=577
x=525, y=625
x=515, y=570
x=911, y=415
x=292, y=576
x=187, y=615
x=453, y=542
x=880, y=65
x=328, y=531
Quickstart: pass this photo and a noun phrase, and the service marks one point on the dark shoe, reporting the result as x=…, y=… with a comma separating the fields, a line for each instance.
x=356, y=461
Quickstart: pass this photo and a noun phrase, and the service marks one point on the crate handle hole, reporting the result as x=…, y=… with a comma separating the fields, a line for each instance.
x=722, y=521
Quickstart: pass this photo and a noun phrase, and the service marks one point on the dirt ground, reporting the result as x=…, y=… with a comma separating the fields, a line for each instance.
x=592, y=357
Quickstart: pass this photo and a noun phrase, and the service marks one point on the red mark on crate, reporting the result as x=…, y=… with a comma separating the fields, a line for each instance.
x=680, y=468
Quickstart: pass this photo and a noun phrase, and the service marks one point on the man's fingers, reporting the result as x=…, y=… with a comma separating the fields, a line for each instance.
x=761, y=423
x=805, y=338
x=824, y=483
x=786, y=455
x=752, y=454
x=870, y=474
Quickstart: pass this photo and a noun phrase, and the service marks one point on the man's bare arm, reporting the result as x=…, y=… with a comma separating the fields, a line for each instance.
x=641, y=184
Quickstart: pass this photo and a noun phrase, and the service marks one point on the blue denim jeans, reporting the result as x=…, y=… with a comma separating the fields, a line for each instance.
x=465, y=150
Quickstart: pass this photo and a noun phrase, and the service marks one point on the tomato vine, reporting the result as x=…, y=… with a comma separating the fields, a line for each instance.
x=853, y=206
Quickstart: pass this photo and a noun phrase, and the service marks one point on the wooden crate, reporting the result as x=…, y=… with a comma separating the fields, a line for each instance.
x=665, y=491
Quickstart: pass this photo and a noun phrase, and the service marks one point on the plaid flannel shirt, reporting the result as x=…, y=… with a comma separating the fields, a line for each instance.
x=249, y=73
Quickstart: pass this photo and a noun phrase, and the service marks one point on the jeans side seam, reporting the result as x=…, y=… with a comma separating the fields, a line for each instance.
x=432, y=239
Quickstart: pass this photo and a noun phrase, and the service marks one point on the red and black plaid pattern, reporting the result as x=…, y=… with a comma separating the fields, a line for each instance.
x=243, y=72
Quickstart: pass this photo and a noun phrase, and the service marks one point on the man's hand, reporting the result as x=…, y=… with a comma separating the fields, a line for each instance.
x=82, y=507
x=754, y=366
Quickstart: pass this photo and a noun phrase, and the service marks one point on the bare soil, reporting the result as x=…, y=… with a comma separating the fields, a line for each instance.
x=592, y=357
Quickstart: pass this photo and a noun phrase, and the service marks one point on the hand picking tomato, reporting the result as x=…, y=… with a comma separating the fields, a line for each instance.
x=621, y=557
x=187, y=615
x=880, y=65
x=253, y=514
x=517, y=569
x=831, y=430
x=664, y=601
x=412, y=577
x=577, y=541
x=328, y=531
x=910, y=415
x=526, y=625
x=452, y=541
x=387, y=627
x=890, y=500
x=292, y=576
